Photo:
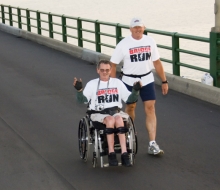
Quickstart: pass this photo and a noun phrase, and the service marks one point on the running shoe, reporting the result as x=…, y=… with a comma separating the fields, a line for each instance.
x=155, y=149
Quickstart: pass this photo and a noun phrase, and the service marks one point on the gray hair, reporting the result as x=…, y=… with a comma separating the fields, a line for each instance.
x=103, y=62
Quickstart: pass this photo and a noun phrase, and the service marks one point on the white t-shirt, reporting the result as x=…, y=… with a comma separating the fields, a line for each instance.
x=107, y=95
x=137, y=56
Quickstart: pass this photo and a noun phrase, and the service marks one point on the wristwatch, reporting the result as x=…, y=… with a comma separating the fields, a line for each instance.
x=164, y=82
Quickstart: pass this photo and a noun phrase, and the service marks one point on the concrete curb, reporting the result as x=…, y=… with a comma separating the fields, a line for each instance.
x=192, y=88
x=186, y=86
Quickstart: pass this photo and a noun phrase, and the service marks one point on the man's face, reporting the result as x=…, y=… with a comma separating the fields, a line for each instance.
x=104, y=71
x=137, y=32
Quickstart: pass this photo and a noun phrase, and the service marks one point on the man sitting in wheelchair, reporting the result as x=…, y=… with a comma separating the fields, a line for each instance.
x=104, y=95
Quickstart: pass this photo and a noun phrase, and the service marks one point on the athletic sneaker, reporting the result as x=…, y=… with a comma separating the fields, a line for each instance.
x=112, y=160
x=125, y=159
x=155, y=149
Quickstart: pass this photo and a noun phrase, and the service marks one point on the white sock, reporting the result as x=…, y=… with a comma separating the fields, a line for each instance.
x=152, y=142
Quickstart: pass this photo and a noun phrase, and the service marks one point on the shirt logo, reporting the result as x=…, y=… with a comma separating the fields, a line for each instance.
x=142, y=53
x=108, y=95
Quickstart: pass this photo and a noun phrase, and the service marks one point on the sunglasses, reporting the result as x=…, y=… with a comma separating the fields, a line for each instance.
x=104, y=70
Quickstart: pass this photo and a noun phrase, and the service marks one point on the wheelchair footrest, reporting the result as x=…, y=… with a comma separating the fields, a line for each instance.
x=107, y=164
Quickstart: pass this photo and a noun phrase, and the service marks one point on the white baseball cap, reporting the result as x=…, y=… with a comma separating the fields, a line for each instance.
x=136, y=22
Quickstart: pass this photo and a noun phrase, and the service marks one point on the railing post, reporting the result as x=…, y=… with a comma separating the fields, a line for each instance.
x=3, y=14
x=38, y=22
x=175, y=54
x=97, y=37
x=214, y=57
x=19, y=18
x=10, y=16
x=118, y=33
x=64, y=28
x=215, y=46
x=50, y=22
x=79, y=31
x=28, y=20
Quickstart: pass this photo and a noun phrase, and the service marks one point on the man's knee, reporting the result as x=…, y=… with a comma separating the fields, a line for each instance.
x=130, y=110
x=118, y=120
x=149, y=106
x=109, y=120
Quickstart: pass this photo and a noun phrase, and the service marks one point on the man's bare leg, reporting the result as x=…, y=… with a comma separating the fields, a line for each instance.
x=125, y=158
x=130, y=110
x=109, y=121
x=151, y=120
x=151, y=125
x=119, y=123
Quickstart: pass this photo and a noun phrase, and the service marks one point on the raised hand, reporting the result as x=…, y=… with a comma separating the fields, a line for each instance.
x=137, y=85
x=77, y=84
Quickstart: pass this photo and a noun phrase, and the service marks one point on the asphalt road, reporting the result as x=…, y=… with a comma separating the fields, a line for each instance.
x=39, y=119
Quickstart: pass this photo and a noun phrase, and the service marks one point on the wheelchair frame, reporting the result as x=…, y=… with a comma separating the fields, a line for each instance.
x=92, y=139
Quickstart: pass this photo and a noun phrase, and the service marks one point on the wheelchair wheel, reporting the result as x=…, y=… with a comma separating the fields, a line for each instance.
x=134, y=136
x=84, y=139
x=96, y=150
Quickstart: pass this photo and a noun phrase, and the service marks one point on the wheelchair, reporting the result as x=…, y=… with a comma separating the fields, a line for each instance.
x=93, y=141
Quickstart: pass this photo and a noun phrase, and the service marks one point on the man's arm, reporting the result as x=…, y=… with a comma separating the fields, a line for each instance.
x=135, y=93
x=113, y=72
x=133, y=97
x=160, y=71
x=80, y=97
x=79, y=87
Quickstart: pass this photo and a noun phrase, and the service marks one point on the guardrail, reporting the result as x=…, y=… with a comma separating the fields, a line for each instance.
x=25, y=18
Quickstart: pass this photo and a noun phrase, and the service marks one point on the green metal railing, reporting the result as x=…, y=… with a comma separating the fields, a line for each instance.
x=25, y=18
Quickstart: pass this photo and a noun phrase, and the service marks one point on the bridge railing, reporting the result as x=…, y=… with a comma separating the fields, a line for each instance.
x=28, y=19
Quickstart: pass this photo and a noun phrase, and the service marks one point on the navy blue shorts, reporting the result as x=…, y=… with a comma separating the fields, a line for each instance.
x=146, y=92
